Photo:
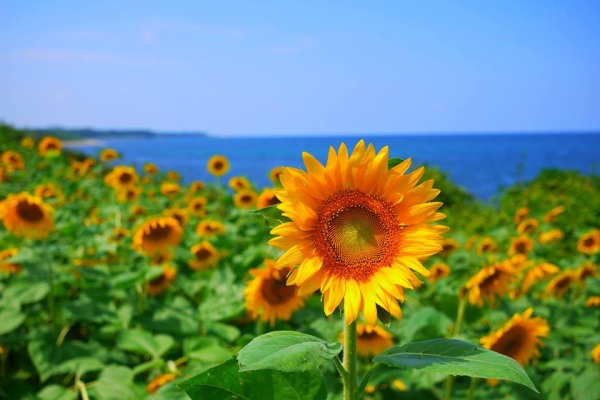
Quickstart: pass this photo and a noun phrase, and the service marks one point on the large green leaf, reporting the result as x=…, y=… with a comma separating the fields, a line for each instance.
x=225, y=382
x=27, y=292
x=11, y=320
x=286, y=351
x=272, y=216
x=587, y=385
x=142, y=342
x=455, y=357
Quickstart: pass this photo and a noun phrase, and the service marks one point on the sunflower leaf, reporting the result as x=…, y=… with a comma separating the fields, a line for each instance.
x=272, y=216
x=455, y=357
x=286, y=351
x=225, y=382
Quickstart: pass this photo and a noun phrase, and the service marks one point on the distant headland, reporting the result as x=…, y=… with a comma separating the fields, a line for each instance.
x=89, y=134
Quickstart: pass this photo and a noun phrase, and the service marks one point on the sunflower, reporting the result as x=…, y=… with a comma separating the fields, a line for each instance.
x=266, y=198
x=109, y=155
x=275, y=174
x=593, y=301
x=520, y=338
x=550, y=236
x=245, y=199
x=160, y=381
x=121, y=177
x=2, y=175
x=162, y=282
x=589, y=243
x=521, y=214
x=537, y=274
x=357, y=229
x=487, y=245
x=268, y=297
x=128, y=194
x=170, y=189
x=173, y=176
x=520, y=245
x=218, y=165
x=179, y=214
x=587, y=270
x=438, y=271
x=205, y=256
x=552, y=214
x=161, y=258
x=9, y=268
x=208, y=228
x=28, y=142
x=197, y=206
x=80, y=168
x=49, y=146
x=157, y=235
x=399, y=385
x=26, y=216
x=119, y=234
x=47, y=190
x=527, y=226
x=561, y=283
x=490, y=282
x=595, y=353
x=448, y=246
x=238, y=183
x=150, y=168
x=13, y=161
x=196, y=187
x=371, y=340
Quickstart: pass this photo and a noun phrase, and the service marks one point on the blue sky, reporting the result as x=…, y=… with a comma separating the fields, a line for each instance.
x=266, y=68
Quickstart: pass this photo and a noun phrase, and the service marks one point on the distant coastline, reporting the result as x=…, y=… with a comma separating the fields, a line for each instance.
x=75, y=143
x=94, y=137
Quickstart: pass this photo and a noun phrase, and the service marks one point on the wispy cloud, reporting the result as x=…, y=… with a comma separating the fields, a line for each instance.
x=295, y=46
x=147, y=35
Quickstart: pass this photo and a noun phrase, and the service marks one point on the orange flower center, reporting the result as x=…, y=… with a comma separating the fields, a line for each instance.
x=218, y=165
x=125, y=178
x=272, y=200
x=275, y=291
x=357, y=233
x=157, y=233
x=511, y=343
x=202, y=254
x=30, y=212
x=589, y=242
x=246, y=199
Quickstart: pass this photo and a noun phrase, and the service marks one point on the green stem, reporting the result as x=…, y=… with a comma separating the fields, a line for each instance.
x=472, y=389
x=365, y=379
x=460, y=313
x=350, y=362
x=260, y=327
x=50, y=270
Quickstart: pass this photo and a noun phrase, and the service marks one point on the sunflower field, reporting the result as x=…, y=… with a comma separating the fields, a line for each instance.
x=360, y=276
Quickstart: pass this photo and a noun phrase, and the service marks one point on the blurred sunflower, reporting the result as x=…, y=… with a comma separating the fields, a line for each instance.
x=371, y=340
x=173, y=176
x=448, y=246
x=490, y=282
x=268, y=297
x=196, y=187
x=179, y=214
x=520, y=215
x=595, y=353
x=157, y=235
x=108, y=155
x=209, y=228
x=170, y=189
x=266, y=198
x=593, y=301
x=161, y=258
x=205, y=256
x=150, y=168
x=519, y=338
x=161, y=283
x=80, y=168
x=528, y=226
x=119, y=234
x=218, y=165
x=399, y=385
x=26, y=216
x=589, y=243
x=245, y=199
x=159, y=382
x=357, y=229
x=2, y=174
x=438, y=271
x=238, y=183
x=49, y=146
x=587, y=270
x=9, y=268
x=197, y=206
x=275, y=174
x=13, y=161
x=553, y=214
x=561, y=283
x=537, y=274
x=48, y=190
x=128, y=194
x=520, y=245
x=121, y=177
x=550, y=236
x=487, y=245
x=28, y=142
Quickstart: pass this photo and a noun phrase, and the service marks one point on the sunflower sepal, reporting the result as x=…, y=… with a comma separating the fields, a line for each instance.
x=286, y=351
x=455, y=357
x=272, y=215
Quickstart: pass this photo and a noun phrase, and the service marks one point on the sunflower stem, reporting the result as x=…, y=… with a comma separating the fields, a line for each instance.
x=50, y=270
x=460, y=313
x=472, y=389
x=260, y=327
x=350, y=362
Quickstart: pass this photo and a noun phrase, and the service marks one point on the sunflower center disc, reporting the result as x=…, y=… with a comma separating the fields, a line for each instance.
x=30, y=212
x=158, y=233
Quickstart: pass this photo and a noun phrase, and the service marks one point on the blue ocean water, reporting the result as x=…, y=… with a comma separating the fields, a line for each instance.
x=481, y=164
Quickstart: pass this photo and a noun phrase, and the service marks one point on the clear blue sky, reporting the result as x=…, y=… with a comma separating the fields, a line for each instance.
x=292, y=67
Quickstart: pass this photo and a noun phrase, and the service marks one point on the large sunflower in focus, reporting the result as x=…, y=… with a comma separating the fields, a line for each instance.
x=157, y=235
x=519, y=338
x=358, y=230
x=26, y=216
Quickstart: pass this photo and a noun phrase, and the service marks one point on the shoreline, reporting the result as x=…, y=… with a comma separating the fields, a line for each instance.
x=70, y=144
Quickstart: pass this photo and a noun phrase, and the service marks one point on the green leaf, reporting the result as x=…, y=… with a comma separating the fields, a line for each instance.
x=455, y=357
x=142, y=342
x=225, y=382
x=272, y=215
x=127, y=279
x=27, y=292
x=11, y=320
x=586, y=386
x=286, y=351
x=115, y=383
x=392, y=162
x=57, y=392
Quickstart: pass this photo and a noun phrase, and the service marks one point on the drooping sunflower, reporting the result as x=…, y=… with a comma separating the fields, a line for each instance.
x=13, y=161
x=197, y=206
x=6, y=267
x=150, y=168
x=448, y=246
x=170, y=189
x=49, y=146
x=268, y=297
x=357, y=229
x=157, y=235
x=28, y=142
x=26, y=216
x=520, y=338
x=275, y=174
x=553, y=214
x=121, y=177
x=245, y=199
x=173, y=176
x=561, y=283
x=196, y=187
x=266, y=198
x=520, y=215
x=527, y=226
x=586, y=270
x=592, y=302
x=209, y=228
x=520, y=245
x=48, y=190
x=218, y=165
x=537, y=274
x=490, y=282
x=487, y=245
x=161, y=283
x=438, y=271
x=550, y=236
x=371, y=340
x=237, y=183
x=128, y=194
x=108, y=155
x=159, y=382
x=179, y=214
x=205, y=256
x=595, y=353
x=589, y=243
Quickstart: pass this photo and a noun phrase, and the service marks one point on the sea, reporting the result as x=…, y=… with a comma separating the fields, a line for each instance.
x=482, y=164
